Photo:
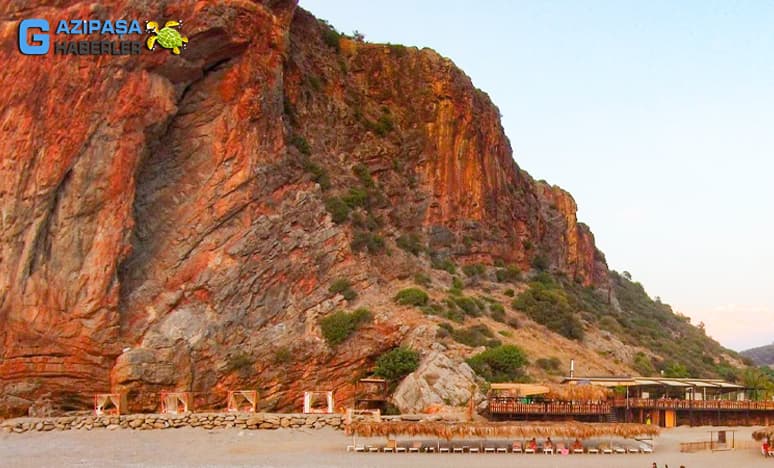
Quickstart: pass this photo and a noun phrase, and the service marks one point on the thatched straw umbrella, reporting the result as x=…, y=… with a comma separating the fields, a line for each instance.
x=448, y=431
x=765, y=433
x=576, y=392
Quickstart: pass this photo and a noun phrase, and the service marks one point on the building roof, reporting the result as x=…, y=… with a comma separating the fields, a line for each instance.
x=619, y=381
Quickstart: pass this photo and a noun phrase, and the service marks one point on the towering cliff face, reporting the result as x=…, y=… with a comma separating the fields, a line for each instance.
x=161, y=226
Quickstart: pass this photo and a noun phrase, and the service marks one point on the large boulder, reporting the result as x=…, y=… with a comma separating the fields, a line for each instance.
x=440, y=382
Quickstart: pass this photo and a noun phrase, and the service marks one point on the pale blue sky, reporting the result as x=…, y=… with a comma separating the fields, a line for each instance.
x=658, y=116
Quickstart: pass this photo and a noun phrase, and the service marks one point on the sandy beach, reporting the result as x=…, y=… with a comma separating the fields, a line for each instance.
x=319, y=448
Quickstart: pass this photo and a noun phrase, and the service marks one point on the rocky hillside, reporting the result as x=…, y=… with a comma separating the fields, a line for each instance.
x=761, y=356
x=208, y=221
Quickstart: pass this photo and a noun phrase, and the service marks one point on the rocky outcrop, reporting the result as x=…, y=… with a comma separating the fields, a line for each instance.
x=439, y=384
x=164, y=221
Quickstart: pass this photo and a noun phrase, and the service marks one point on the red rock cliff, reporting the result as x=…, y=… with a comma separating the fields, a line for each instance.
x=158, y=231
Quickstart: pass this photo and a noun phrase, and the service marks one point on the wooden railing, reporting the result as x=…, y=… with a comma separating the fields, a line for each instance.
x=728, y=405
x=510, y=405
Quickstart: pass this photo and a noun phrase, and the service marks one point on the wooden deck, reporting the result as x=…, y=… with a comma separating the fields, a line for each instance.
x=509, y=405
x=696, y=405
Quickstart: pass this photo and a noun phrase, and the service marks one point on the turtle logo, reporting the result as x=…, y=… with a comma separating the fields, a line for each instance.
x=167, y=37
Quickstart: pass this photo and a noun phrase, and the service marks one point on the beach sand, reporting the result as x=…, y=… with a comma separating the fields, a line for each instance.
x=321, y=448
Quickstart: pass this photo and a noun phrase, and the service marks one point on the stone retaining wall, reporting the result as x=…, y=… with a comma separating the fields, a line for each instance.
x=167, y=421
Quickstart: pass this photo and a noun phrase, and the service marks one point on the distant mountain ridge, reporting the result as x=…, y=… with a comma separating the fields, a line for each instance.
x=762, y=355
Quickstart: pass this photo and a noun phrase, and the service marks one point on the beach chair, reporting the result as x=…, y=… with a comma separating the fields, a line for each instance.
x=501, y=449
x=516, y=447
x=430, y=449
x=473, y=450
x=619, y=450
x=633, y=450
x=457, y=449
x=399, y=449
x=391, y=446
x=360, y=448
x=644, y=448
x=577, y=450
x=529, y=450
x=548, y=450
x=415, y=447
x=593, y=450
x=443, y=449
x=606, y=449
x=372, y=448
x=488, y=447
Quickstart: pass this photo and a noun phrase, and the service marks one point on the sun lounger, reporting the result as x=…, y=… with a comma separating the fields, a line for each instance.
x=577, y=450
x=548, y=450
x=593, y=450
x=529, y=450
x=391, y=446
x=473, y=450
x=444, y=449
x=619, y=450
x=606, y=450
x=646, y=448
x=415, y=447
x=430, y=449
x=489, y=449
x=400, y=449
x=372, y=449
x=457, y=449
x=634, y=450
x=516, y=448
x=501, y=450
x=360, y=448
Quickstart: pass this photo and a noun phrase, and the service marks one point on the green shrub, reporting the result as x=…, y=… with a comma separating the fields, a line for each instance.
x=643, y=365
x=457, y=283
x=397, y=363
x=540, y=263
x=338, y=326
x=283, y=356
x=344, y=287
x=382, y=126
x=509, y=274
x=468, y=305
x=527, y=244
x=301, y=144
x=331, y=38
x=239, y=362
x=371, y=242
x=474, y=336
x=506, y=333
x=500, y=364
x=444, y=264
x=509, y=292
x=497, y=312
x=356, y=197
x=551, y=365
x=550, y=306
x=676, y=370
x=319, y=174
x=410, y=243
x=364, y=174
x=422, y=279
x=411, y=296
x=475, y=269
x=315, y=82
x=338, y=209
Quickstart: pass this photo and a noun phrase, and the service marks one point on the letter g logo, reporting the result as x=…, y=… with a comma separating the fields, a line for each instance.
x=40, y=42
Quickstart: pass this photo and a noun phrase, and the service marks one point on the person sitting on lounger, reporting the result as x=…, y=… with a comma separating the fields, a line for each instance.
x=765, y=448
x=532, y=444
x=577, y=445
x=549, y=445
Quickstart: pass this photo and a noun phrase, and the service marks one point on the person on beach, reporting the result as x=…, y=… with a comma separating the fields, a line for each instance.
x=765, y=448
x=532, y=444
x=577, y=445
